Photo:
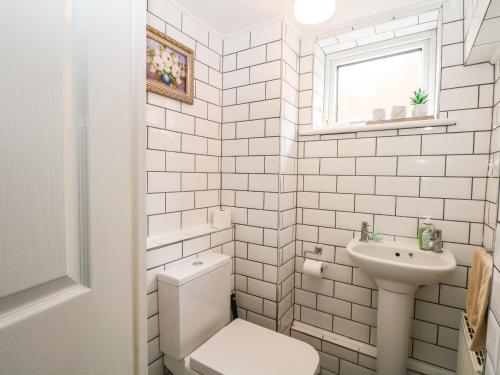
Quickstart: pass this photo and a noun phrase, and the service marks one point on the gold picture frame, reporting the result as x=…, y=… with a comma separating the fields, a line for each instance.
x=169, y=66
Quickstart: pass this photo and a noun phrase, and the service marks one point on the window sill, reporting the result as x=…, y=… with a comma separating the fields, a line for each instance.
x=375, y=127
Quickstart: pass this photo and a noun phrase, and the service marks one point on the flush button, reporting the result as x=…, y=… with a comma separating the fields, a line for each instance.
x=197, y=263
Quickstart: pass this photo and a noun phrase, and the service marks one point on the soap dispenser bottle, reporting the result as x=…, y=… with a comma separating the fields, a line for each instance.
x=425, y=234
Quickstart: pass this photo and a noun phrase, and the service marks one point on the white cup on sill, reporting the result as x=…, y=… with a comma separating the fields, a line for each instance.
x=378, y=114
x=398, y=111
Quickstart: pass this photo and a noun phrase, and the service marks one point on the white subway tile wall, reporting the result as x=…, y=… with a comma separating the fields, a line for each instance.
x=238, y=146
x=393, y=179
x=259, y=168
x=183, y=160
x=183, y=144
x=492, y=219
x=161, y=258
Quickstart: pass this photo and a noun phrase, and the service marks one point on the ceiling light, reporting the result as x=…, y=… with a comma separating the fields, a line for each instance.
x=314, y=11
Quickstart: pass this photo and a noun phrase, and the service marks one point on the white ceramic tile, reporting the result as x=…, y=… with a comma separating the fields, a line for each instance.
x=356, y=184
x=420, y=28
x=251, y=93
x=470, y=119
x=441, y=356
x=265, y=109
x=207, y=56
x=320, y=149
x=265, y=72
x=194, y=29
x=398, y=226
x=208, y=93
x=404, y=186
x=316, y=318
x=337, y=166
x=460, y=143
x=179, y=201
x=264, y=146
x=352, y=329
x=206, y=198
x=452, y=11
x=378, y=166
x=420, y=207
x=355, y=34
x=320, y=183
x=452, y=32
x=252, y=56
x=352, y=220
x=467, y=165
x=266, y=34
x=249, y=199
x=460, y=75
x=452, y=296
x=166, y=11
x=375, y=204
x=446, y=187
x=250, y=164
x=167, y=254
x=353, y=293
x=236, y=78
x=421, y=166
x=229, y=63
x=236, y=43
x=409, y=145
x=397, y=24
x=356, y=147
x=459, y=98
x=159, y=182
x=215, y=43
x=452, y=54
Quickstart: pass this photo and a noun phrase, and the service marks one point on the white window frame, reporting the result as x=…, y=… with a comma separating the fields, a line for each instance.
x=426, y=41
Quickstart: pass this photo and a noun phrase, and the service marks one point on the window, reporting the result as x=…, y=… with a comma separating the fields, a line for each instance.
x=379, y=76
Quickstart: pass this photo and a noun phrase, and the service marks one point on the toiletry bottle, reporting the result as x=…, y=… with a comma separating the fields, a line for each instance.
x=425, y=234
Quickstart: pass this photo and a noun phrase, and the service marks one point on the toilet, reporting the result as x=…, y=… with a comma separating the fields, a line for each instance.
x=198, y=337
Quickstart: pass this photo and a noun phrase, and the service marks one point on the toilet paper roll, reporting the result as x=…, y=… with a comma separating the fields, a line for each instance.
x=221, y=219
x=313, y=268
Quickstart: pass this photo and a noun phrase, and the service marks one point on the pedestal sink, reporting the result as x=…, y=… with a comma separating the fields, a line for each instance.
x=398, y=269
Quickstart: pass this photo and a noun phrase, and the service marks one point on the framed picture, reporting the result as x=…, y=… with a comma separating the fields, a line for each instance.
x=169, y=66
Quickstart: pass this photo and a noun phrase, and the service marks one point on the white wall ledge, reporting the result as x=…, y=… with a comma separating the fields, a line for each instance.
x=361, y=347
x=184, y=234
x=375, y=127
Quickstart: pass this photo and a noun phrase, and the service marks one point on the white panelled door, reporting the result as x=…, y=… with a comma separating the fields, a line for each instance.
x=67, y=191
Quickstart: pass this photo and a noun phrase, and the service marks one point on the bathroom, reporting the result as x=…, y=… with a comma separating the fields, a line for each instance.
x=288, y=187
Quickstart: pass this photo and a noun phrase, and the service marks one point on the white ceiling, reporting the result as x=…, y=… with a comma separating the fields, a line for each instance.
x=229, y=16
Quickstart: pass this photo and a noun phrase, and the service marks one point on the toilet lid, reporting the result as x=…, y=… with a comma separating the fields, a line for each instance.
x=243, y=348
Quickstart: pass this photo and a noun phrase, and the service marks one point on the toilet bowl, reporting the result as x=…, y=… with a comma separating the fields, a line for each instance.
x=198, y=338
x=244, y=348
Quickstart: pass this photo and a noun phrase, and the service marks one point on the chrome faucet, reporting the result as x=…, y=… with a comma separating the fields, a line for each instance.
x=365, y=234
x=436, y=242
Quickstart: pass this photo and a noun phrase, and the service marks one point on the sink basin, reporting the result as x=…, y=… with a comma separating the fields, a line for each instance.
x=398, y=268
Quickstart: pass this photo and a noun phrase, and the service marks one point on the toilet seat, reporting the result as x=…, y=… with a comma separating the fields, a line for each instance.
x=243, y=348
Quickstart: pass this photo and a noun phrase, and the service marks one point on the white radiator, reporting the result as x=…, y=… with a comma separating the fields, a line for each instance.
x=468, y=362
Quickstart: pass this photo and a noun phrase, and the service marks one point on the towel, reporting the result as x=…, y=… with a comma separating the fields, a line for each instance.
x=478, y=295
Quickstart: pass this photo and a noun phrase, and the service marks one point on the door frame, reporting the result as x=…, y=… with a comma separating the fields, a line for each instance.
x=138, y=148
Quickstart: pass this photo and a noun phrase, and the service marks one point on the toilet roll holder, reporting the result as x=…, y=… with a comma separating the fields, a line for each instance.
x=318, y=250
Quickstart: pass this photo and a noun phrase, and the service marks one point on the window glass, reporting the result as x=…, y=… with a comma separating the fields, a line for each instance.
x=377, y=83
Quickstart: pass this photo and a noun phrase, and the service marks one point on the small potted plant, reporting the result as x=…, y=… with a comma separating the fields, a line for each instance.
x=419, y=102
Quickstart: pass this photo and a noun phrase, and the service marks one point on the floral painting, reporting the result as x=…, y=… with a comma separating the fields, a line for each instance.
x=169, y=66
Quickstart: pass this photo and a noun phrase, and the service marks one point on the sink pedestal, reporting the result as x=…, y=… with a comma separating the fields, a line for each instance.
x=393, y=330
x=398, y=269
